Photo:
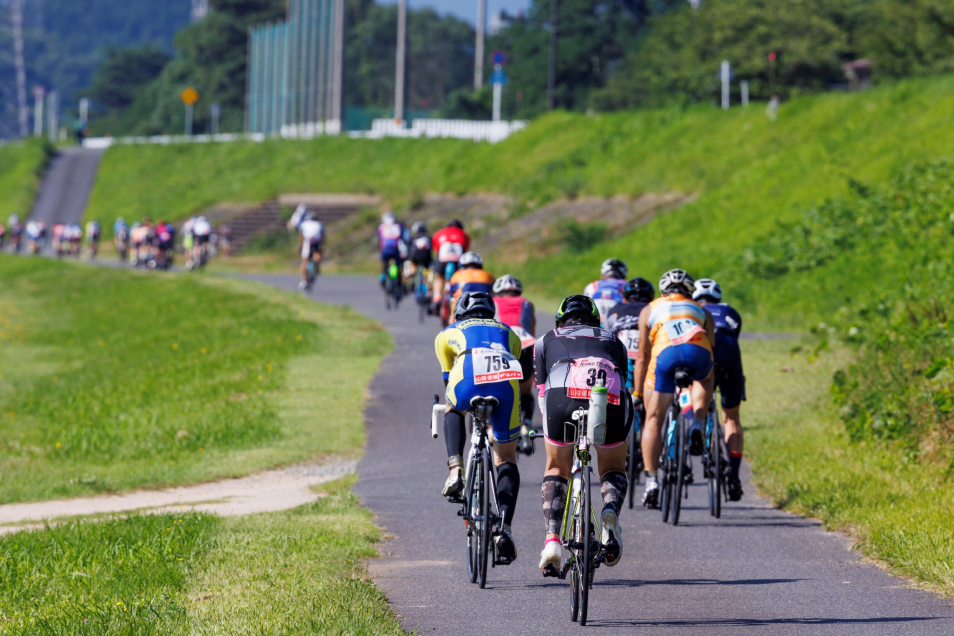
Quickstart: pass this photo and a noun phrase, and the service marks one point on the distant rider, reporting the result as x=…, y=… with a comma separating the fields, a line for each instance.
x=450, y=243
x=92, y=237
x=567, y=362
x=392, y=247
x=729, y=377
x=463, y=349
x=471, y=277
x=311, y=235
x=518, y=313
x=121, y=237
x=608, y=291
x=623, y=319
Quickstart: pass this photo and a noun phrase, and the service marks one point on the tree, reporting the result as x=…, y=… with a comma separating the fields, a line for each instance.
x=124, y=72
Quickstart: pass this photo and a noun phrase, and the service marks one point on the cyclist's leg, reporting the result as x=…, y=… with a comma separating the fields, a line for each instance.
x=505, y=421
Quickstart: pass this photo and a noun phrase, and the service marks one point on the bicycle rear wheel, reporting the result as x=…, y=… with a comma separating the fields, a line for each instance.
x=472, y=510
x=483, y=526
x=719, y=469
x=678, y=469
x=576, y=536
x=632, y=466
x=586, y=570
x=665, y=471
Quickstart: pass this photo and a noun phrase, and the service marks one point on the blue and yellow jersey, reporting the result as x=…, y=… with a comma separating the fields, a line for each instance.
x=455, y=343
x=675, y=320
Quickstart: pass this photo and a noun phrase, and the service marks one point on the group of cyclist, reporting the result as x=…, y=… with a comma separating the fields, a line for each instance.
x=619, y=334
x=66, y=239
x=153, y=245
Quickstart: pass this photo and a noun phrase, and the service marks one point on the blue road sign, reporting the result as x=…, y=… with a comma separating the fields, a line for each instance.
x=498, y=77
x=498, y=58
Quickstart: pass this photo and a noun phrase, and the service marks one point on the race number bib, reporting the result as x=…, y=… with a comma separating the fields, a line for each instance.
x=630, y=340
x=682, y=330
x=450, y=252
x=605, y=305
x=526, y=340
x=492, y=365
x=586, y=372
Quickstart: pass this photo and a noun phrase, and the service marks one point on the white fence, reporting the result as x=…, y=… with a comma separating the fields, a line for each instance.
x=490, y=131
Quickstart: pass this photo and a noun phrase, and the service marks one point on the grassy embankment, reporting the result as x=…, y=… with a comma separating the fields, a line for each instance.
x=21, y=168
x=111, y=380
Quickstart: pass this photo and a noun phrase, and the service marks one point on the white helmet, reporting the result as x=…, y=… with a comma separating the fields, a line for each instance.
x=707, y=289
x=388, y=218
x=471, y=259
x=508, y=283
x=614, y=267
x=676, y=281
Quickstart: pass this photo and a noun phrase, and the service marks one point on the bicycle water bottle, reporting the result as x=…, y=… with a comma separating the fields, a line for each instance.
x=437, y=411
x=596, y=417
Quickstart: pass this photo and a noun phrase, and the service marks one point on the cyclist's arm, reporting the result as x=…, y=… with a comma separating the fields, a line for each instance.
x=643, y=354
x=540, y=373
x=533, y=320
x=446, y=352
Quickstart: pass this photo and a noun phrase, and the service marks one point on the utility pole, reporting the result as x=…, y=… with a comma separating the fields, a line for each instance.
x=552, y=70
x=479, y=46
x=399, y=73
x=23, y=113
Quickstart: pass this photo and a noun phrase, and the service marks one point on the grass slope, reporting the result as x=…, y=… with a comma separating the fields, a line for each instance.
x=112, y=380
x=21, y=167
x=295, y=572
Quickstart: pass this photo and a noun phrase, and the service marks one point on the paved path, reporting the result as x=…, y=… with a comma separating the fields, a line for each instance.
x=758, y=570
x=66, y=186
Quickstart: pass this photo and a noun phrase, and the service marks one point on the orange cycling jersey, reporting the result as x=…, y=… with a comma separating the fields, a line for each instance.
x=676, y=320
x=469, y=280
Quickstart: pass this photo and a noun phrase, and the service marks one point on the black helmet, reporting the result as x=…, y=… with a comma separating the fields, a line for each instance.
x=474, y=305
x=457, y=224
x=639, y=290
x=581, y=306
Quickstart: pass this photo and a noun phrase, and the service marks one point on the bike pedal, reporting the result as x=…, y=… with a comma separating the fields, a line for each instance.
x=551, y=571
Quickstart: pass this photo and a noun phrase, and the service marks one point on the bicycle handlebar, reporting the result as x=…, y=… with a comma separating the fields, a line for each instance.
x=436, y=409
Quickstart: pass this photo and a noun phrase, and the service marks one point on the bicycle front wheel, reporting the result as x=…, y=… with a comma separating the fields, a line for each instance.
x=586, y=569
x=665, y=475
x=483, y=534
x=471, y=511
x=717, y=472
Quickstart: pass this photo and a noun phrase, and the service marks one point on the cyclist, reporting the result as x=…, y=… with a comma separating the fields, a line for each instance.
x=121, y=237
x=311, y=234
x=33, y=236
x=623, y=319
x=76, y=237
x=730, y=378
x=3, y=235
x=674, y=332
x=16, y=231
x=164, y=242
x=471, y=277
x=92, y=237
x=462, y=349
x=201, y=235
x=608, y=291
x=392, y=246
x=518, y=313
x=450, y=244
x=567, y=362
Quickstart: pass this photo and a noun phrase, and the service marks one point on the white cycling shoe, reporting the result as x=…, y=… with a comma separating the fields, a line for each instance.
x=611, y=537
x=552, y=555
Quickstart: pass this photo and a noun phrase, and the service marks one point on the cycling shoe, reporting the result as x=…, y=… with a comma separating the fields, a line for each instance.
x=611, y=537
x=454, y=486
x=552, y=555
x=734, y=491
x=651, y=493
x=525, y=446
x=695, y=440
x=504, y=548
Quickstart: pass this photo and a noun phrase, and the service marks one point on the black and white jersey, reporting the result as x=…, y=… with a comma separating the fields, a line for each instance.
x=573, y=359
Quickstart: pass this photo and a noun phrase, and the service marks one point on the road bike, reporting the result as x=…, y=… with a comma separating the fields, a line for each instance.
x=311, y=273
x=392, y=287
x=714, y=460
x=675, y=465
x=581, y=530
x=478, y=503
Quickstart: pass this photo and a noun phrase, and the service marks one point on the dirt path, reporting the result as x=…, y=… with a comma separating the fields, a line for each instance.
x=266, y=491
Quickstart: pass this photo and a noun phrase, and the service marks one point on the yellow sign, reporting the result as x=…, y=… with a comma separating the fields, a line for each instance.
x=189, y=96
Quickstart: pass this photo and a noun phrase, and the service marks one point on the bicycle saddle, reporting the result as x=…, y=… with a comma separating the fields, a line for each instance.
x=683, y=378
x=480, y=401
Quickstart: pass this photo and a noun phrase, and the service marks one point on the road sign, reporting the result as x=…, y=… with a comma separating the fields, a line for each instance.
x=498, y=76
x=189, y=96
x=498, y=58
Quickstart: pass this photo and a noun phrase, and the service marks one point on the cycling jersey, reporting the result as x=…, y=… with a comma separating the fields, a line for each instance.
x=606, y=293
x=422, y=251
x=450, y=244
x=623, y=320
x=202, y=228
x=33, y=230
x=517, y=313
x=312, y=233
x=677, y=332
x=92, y=230
x=478, y=358
x=390, y=237
x=469, y=280
x=567, y=363
x=728, y=327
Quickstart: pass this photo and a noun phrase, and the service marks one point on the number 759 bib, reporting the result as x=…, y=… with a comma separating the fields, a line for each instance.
x=492, y=365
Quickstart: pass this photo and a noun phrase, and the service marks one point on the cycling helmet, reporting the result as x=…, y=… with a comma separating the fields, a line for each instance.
x=508, y=283
x=471, y=259
x=419, y=228
x=614, y=268
x=707, y=290
x=676, y=281
x=639, y=290
x=578, y=306
x=388, y=218
x=311, y=216
x=474, y=305
x=457, y=224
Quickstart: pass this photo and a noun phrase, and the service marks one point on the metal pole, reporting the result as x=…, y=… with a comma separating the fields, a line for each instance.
x=309, y=20
x=23, y=113
x=498, y=90
x=552, y=70
x=188, y=120
x=276, y=76
x=726, y=75
x=52, y=123
x=38, y=115
x=399, y=72
x=337, y=72
x=84, y=110
x=744, y=85
x=249, y=72
x=293, y=65
x=286, y=55
x=479, y=46
x=324, y=7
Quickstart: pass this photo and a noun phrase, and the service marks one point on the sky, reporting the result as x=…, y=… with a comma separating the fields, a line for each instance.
x=466, y=9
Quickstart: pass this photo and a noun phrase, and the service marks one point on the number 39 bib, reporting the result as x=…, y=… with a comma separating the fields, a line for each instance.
x=492, y=365
x=584, y=374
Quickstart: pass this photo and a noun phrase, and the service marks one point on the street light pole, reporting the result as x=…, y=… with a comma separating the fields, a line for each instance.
x=399, y=71
x=479, y=46
x=551, y=72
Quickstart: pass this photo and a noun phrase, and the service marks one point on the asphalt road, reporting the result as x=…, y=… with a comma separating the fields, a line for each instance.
x=757, y=570
x=66, y=186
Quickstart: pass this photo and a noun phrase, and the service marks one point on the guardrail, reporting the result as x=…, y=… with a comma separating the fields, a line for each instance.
x=489, y=131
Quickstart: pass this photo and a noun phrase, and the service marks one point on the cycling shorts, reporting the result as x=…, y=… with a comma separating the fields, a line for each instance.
x=422, y=259
x=391, y=255
x=526, y=363
x=202, y=239
x=447, y=268
x=662, y=368
x=166, y=245
x=560, y=409
x=730, y=380
x=308, y=249
x=505, y=419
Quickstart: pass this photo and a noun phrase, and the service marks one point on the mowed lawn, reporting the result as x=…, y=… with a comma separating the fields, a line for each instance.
x=111, y=380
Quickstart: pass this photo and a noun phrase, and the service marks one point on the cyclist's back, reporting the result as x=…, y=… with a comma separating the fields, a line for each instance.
x=471, y=279
x=450, y=243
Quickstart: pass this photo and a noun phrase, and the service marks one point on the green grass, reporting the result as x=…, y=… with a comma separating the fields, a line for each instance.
x=897, y=510
x=295, y=572
x=21, y=167
x=111, y=380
